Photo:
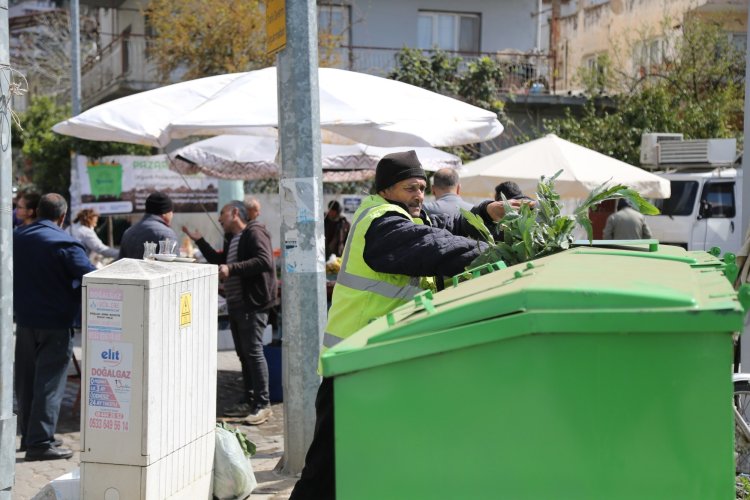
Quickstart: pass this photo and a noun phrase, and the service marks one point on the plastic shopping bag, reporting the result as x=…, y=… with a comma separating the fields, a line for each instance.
x=233, y=472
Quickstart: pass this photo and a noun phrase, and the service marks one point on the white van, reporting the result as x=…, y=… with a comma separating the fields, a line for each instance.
x=703, y=211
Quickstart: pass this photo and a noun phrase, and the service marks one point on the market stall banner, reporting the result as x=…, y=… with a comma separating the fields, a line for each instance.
x=121, y=184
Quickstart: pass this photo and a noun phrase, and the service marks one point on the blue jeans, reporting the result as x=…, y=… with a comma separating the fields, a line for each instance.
x=247, y=332
x=41, y=366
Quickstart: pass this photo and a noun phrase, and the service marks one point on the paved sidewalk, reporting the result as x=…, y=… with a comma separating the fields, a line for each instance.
x=32, y=477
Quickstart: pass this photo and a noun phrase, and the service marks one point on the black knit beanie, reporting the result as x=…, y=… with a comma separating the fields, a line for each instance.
x=396, y=167
x=158, y=203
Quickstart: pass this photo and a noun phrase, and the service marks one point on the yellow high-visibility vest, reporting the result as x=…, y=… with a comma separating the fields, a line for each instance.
x=362, y=294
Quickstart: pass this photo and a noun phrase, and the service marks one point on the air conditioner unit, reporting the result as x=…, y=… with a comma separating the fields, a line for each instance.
x=649, y=145
x=697, y=152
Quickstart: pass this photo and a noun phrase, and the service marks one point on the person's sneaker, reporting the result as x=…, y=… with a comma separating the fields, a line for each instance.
x=51, y=453
x=259, y=415
x=56, y=443
x=238, y=410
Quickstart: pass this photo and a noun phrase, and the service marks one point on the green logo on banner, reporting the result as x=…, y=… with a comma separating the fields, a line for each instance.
x=105, y=179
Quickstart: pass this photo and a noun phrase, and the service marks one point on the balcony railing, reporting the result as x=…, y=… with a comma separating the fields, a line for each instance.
x=120, y=68
x=123, y=67
x=520, y=70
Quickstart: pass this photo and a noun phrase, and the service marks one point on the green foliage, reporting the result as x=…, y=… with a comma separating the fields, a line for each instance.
x=438, y=72
x=477, y=223
x=742, y=487
x=478, y=83
x=248, y=447
x=45, y=155
x=533, y=231
x=207, y=37
x=697, y=91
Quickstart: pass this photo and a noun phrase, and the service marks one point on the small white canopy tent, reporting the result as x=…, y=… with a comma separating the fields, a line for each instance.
x=582, y=170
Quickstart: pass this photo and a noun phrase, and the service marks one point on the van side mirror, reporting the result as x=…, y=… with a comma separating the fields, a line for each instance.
x=705, y=210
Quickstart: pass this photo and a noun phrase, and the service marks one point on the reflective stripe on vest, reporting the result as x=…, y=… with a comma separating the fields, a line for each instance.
x=380, y=287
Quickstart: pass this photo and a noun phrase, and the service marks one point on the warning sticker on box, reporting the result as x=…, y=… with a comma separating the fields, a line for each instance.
x=110, y=367
x=104, y=316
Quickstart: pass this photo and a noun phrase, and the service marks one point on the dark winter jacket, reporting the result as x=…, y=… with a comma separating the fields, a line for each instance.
x=48, y=267
x=150, y=228
x=255, y=265
x=444, y=246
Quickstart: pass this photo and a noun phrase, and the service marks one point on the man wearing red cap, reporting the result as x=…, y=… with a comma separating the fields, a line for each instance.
x=392, y=246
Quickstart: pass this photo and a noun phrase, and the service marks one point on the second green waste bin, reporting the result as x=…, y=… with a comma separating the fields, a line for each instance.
x=590, y=374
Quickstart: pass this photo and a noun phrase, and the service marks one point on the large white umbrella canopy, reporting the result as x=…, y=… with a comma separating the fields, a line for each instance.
x=364, y=108
x=242, y=157
x=583, y=170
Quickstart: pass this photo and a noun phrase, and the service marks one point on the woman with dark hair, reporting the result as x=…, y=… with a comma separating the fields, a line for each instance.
x=82, y=229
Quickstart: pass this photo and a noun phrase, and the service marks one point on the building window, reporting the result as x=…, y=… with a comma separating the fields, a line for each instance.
x=448, y=31
x=738, y=41
x=648, y=56
x=333, y=23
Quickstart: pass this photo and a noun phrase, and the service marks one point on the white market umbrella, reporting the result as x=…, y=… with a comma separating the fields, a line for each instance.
x=364, y=108
x=241, y=157
x=583, y=170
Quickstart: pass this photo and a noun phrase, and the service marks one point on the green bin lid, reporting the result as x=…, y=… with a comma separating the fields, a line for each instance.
x=634, y=287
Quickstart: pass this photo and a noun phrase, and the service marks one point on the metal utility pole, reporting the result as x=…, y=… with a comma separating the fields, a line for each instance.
x=7, y=418
x=745, y=183
x=303, y=301
x=75, y=56
x=746, y=130
x=75, y=78
x=554, y=41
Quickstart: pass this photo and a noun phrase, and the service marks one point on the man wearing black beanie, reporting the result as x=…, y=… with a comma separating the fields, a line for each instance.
x=154, y=226
x=393, y=251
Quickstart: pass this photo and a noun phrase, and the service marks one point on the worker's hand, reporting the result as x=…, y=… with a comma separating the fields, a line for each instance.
x=223, y=271
x=496, y=209
x=194, y=235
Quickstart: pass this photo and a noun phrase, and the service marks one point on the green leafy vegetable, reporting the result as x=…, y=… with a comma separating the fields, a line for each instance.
x=530, y=232
x=248, y=447
x=478, y=224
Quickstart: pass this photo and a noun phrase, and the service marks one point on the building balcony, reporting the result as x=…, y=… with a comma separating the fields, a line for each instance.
x=123, y=67
x=119, y=69
x=520, y=70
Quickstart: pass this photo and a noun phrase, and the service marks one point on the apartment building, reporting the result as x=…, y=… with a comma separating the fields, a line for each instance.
x=633, y=33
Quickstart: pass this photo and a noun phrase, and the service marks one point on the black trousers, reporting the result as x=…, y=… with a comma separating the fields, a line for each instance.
x=318, y=480
x=41, y=366
x=247, y=333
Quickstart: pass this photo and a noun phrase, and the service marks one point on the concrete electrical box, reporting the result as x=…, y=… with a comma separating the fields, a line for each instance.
x=149, y=390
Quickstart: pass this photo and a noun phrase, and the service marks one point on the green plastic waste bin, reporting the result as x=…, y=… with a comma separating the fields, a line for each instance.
x=595, y=373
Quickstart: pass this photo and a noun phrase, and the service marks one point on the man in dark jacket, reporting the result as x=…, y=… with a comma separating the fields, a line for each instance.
x=392, y=244
x=48, y=266
x=154, y=227
x=246, y=267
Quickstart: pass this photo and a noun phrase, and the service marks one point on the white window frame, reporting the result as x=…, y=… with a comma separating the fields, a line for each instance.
x=435, y=15
x=648, y=54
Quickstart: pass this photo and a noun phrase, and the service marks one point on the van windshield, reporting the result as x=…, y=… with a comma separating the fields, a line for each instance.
x=682, y=200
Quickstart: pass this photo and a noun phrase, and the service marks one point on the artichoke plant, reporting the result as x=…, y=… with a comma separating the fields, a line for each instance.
x=537, y=230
